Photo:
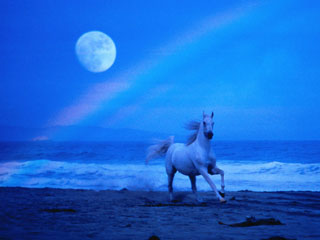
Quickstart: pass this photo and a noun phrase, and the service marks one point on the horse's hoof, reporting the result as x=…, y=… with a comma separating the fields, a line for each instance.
x=222, y=200
x=222, y=194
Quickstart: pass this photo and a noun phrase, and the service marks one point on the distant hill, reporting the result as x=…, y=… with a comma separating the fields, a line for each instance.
x=78, y=133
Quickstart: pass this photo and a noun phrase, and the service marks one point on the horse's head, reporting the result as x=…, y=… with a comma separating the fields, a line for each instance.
x=208, y=125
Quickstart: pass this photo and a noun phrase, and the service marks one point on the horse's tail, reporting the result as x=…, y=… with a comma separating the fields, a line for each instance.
x=159, y=149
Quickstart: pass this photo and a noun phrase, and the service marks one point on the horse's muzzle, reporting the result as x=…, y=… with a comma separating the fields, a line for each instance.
x=209, y=135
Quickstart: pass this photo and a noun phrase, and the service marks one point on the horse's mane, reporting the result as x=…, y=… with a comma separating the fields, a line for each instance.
x=193, y=126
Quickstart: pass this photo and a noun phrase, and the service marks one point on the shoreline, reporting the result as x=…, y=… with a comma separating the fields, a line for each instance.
x=157, y=191
x=50, y=213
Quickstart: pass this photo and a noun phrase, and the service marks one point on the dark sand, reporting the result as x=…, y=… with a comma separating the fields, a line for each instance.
x=84, y=214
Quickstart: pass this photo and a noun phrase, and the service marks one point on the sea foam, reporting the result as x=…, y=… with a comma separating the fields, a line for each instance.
x=266, y=176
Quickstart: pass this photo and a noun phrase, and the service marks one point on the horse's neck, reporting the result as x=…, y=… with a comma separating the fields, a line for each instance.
x=202, y=141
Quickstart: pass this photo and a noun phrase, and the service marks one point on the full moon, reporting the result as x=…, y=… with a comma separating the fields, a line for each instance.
x=96, y=51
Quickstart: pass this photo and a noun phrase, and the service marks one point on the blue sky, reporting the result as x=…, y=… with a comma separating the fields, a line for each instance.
x=254, y=63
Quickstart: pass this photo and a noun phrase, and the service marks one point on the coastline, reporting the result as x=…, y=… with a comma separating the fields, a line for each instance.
x=48, y=213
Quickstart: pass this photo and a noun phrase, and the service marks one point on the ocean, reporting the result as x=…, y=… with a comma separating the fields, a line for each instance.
x=248, y=165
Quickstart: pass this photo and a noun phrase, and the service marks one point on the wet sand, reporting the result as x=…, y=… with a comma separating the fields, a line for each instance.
x=84, y=214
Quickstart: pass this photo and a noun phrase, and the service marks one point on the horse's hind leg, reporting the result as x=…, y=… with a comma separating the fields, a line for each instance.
x=194, y=187
x=170, y=181
x=171, y=171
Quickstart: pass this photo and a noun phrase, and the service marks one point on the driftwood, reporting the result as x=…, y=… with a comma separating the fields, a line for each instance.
x=252, y=221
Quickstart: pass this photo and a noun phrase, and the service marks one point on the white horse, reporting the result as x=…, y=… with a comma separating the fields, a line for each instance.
x=191, y=159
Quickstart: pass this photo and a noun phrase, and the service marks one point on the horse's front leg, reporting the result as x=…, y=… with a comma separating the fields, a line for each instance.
x=213, y=170
x=204, y=173
x=217, y=170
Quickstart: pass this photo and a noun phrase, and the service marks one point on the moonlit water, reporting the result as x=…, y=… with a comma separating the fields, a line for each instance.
x=248, y=165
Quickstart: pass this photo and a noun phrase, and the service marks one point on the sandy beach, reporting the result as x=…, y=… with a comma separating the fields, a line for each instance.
x=84, y=214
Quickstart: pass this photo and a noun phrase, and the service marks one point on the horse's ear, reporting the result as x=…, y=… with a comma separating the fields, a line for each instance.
x=212, y=114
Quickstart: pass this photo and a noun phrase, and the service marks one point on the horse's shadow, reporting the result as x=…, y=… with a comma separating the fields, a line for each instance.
x=181, y=197
x=180, y=200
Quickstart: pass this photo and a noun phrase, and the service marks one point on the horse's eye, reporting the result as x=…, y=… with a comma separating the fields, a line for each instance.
x=204, y=123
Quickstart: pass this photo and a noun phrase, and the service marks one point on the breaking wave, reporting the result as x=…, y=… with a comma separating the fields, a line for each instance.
x=263, y=176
